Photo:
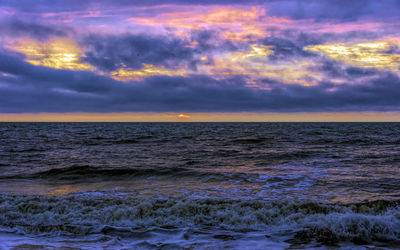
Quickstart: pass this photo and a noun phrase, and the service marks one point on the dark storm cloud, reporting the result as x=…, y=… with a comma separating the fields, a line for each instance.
x=332, y=69
x=109, y=52
x=354, y=72
x=15, y=27
x=29, y=88
x=310, y=37
x=284, y=48
x=210, y=40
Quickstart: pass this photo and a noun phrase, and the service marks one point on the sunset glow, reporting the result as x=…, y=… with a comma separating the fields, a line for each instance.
x=239, y=24
x=173, y=57
x=177, y=124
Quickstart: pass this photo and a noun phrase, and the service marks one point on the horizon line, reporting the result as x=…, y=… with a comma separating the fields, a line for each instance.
x=366, y=116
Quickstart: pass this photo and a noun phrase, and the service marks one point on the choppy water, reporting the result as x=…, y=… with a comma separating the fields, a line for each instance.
x=200, y=185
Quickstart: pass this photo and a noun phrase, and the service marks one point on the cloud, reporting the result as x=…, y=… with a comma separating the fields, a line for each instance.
x=259, y=62
x=234, y=23
x=381, y=54
x=284, y=49
x=146, y=71
x=56, y=53
x=111, y=52
x=346, y=11
x=199, y=56
x=210, y=41
x=317, y=10
x=15, y=27
x=32, y=88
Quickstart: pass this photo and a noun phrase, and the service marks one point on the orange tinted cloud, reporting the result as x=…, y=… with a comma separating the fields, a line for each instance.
x=234, y=23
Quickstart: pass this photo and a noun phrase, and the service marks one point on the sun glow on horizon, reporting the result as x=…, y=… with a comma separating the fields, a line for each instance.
x=205, y=117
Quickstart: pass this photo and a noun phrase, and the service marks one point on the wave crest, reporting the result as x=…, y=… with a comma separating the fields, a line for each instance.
x=87, y=214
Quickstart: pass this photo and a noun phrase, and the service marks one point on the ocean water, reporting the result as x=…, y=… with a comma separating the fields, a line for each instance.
x=200, y=185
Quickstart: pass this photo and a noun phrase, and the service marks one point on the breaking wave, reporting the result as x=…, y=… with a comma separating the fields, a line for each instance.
x=88, y=213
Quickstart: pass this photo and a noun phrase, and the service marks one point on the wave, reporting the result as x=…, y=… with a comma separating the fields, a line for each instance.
x=127, y=141
x=249, y=140
x=25, y=150
x=87, y=214
x=86, y=172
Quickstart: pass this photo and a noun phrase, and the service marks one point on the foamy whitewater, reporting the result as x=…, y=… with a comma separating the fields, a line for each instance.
x=200, y=185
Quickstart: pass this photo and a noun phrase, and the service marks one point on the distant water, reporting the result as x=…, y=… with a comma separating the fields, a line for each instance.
x=200, y=185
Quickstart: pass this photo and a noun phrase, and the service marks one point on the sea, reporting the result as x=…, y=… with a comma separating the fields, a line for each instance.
x=199, y=185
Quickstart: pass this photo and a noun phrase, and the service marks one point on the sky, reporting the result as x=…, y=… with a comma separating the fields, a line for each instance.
x=172, y=60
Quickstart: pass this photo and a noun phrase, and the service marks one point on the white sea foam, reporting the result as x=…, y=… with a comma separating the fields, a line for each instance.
x=82, y=215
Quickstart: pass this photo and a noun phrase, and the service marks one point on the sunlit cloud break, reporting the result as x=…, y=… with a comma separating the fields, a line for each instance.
x=58, y=53
x=147, y=70
x=381, y=54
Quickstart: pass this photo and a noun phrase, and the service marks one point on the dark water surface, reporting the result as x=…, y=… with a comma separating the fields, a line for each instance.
x=200, y=185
